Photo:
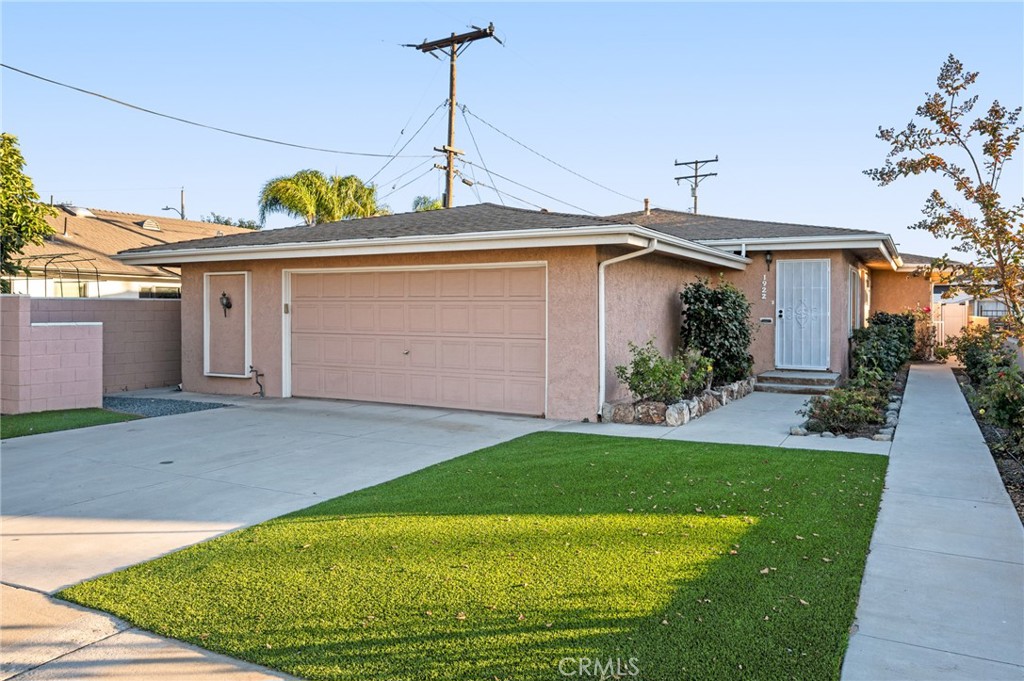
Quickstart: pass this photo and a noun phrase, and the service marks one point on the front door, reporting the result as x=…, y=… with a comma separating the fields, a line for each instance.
x=802, y=312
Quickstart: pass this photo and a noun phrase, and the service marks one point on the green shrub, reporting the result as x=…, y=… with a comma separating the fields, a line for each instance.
x=882, y=347
x=905, y=322
x=716, y=321
x=652, y=376
x=843, y=410
x=875, y=383
x=942, y=353
x=981, y=351
x=1000, y=399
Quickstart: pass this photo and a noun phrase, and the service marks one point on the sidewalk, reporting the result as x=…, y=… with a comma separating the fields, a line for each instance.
x=943, y=589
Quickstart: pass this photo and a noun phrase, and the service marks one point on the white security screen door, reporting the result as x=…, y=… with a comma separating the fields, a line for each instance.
x=802, y=312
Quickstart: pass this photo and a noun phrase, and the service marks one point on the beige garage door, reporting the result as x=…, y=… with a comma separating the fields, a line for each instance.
x=461, y=338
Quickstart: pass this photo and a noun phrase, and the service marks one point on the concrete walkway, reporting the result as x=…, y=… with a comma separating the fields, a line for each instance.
x=757, y=419
x=943, y=589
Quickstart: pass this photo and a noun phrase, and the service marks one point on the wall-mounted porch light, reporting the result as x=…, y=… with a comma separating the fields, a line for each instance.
x=225, y=302
x=768, y=260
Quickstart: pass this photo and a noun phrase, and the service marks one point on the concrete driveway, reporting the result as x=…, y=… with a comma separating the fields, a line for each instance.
x=81, y=503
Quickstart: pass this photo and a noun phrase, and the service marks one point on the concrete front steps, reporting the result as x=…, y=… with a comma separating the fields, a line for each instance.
x=797, y=382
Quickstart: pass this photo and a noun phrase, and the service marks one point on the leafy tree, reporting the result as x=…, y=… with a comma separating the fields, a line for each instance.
x=424, y=203
x=218, y=219
x=971, y=155
x=22, y=217
x=317, y=198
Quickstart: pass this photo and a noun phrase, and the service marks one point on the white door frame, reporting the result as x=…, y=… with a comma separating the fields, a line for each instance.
x=827, y=349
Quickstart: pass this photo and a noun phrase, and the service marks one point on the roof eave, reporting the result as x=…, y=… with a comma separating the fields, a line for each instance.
x=599, y=235
x=883, y=242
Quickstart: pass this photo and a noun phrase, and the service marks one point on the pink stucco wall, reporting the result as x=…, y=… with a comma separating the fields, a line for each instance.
x=141, y=337
x=572, y=319
x=46, y=366
x=642, y=302
x=899, y=291
x=227, y=327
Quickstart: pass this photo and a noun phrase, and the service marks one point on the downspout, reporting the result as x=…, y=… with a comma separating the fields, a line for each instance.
x=602, y=340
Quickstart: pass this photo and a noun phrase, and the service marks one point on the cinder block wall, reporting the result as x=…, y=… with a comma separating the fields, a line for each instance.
x=47, y=366
x=141, y=337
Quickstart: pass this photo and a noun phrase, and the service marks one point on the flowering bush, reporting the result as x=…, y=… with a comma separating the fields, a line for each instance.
x=1000, y=399
x=843, y=410
x=981, y=350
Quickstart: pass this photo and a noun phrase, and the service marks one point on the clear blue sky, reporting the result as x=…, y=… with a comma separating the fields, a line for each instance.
x=789, y=96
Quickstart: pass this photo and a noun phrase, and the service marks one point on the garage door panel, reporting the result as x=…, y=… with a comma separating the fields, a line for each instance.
x=305, y=317
x=305, y=286
x=455, y=319
x=422, y=284
x=364, y=351
x=307, y=349
x=393, y=388
x=526, y=320
x=334, y=317
x=336, y=350
x=526, y=358
x=488, y=319
x=391, y=318
x=466, y=339
x=423, y=354
x=391, y=284
x=336, y=383
x=489, y=283
x=526, y=283
x=334, y=285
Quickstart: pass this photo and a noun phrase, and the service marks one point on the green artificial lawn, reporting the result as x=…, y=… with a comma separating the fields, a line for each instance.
x=666, y=559
x=17, y=425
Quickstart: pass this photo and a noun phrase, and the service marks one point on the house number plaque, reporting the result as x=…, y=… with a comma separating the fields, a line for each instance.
x=764, y=287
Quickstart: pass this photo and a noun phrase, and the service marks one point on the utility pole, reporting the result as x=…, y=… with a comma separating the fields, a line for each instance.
x=183, y=203
x=452, y=46
x=695, y=179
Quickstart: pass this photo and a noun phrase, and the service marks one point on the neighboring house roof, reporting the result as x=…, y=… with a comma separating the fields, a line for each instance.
x=876, y=248
x=87, y=240
x=476, y=227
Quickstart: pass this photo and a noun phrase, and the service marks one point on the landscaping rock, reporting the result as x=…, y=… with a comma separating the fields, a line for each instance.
x=891, y=421
x=623, y=412
x=677, y=415
x=882, y=437
x=721, y=396
x=651, y=412
x=893, y=406
x=886, y=431
x=797, y=430
x=708, y=402
x=828, y=434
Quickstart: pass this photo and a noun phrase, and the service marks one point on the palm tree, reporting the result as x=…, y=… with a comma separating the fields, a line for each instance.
x=317, y=198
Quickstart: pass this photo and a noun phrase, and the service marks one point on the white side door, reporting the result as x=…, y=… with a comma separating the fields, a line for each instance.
x=802, y=311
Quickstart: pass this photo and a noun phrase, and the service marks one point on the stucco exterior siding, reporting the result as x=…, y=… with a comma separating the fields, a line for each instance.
x=899, y=291
x=642, y=302
x=571, y=333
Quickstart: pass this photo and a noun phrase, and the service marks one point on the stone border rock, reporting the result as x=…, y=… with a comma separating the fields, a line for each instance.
x=680, y=413
x=884, y=434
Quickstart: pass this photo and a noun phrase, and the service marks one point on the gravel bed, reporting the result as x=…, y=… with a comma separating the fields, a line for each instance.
x=153, y=406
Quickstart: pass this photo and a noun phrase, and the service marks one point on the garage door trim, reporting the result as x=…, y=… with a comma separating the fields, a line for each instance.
x=286, y=296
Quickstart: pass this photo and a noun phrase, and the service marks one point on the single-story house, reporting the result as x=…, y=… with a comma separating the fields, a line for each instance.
x=503, y=309
x=77, y=259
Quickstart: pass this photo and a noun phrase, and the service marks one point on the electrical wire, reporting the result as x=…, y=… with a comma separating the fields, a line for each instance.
x=392, y=182
x=196, y=124
x=477, y=147
x=407, y=183
x=512, y=196
x=465, y=111
x=535, y=191
x=407, y=142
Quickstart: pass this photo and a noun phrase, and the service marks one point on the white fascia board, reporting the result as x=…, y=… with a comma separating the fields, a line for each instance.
x=613, y=235
x=883, y=242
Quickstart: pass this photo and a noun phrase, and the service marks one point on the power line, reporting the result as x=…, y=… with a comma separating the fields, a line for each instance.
x=407, y=183
x=407, y=142
x=511, y=196
x=465, y=110
x=415, y=167
x=535, y=191
x=482, y=161
x=194, y=123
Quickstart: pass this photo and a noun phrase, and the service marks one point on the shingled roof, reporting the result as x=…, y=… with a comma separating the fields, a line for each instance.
x=710, y=227
x=85, y=241
x=479, y=218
